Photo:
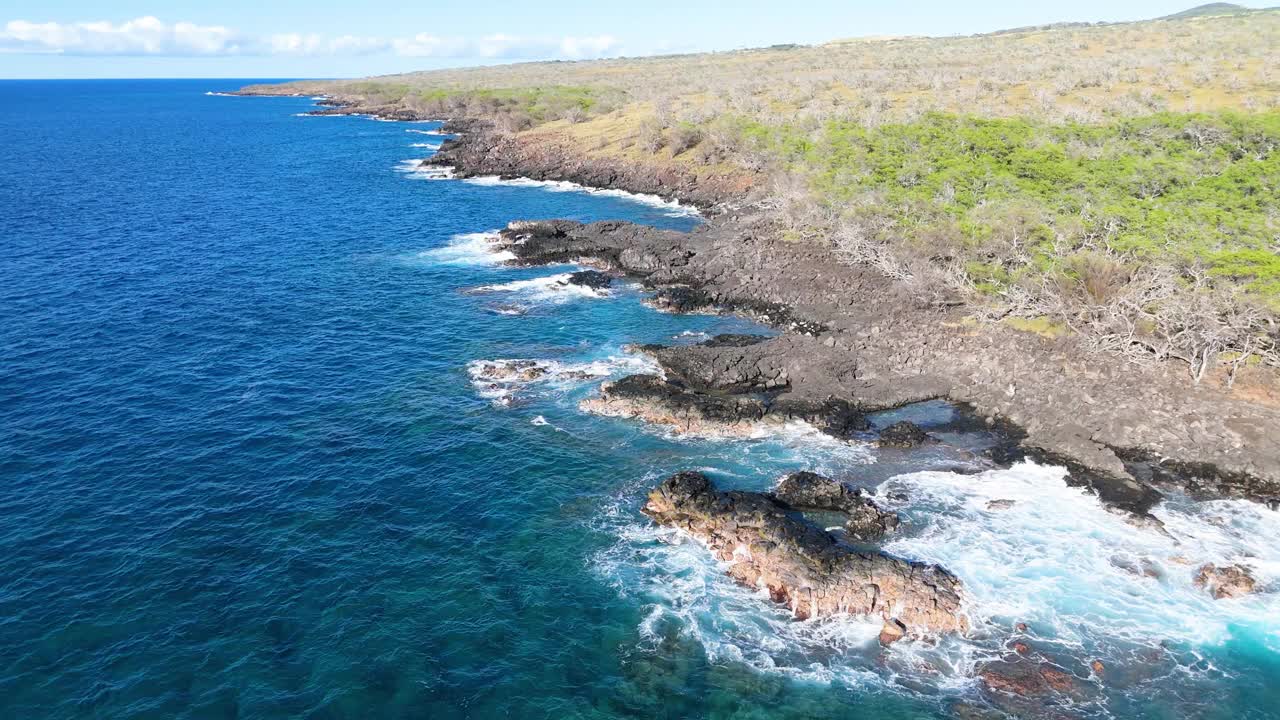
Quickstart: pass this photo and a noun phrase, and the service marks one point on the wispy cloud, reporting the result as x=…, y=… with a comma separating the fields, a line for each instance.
x=144, y=36
x=506, y=46
x=151, y=36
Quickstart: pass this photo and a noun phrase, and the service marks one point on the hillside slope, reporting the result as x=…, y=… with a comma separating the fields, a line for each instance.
x=1119, y=183
x=1209, y=9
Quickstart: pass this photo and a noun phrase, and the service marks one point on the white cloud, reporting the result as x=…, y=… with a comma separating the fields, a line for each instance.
x=428, y=45
x=313, y=44
x=143, y=36
x=589, y=47
x=151, y=36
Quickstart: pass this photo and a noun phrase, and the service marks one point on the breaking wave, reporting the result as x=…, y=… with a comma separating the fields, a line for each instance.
x=1050, y=556
x=414, y=169
x=671, y=208
x=549, y=289
x=1058, y=560
x=469, y=249
x=503, y=380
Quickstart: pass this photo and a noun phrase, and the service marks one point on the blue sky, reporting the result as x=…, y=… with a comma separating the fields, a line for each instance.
x=324, y=38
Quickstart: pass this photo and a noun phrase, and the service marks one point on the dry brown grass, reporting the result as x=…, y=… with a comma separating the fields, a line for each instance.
x=1069, y=73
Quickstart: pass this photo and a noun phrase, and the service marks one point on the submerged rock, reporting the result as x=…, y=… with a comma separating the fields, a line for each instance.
x=803, y=566
x=1026, y=677
x=811, y=491
x=1225, y=582
x=1142, y=567
x=904, y=435
x=520, y=370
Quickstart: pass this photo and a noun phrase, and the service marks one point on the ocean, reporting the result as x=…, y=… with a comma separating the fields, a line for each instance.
x=250, y=467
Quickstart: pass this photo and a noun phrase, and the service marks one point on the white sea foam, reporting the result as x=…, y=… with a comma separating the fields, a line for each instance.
x=671, y=208
x=1054, y=559
x=427, y=132
x=510, y=310
x=1046, y=561
x=211, y=93
x=502, y=380
x=433, y=146
x=469, y=249
x=415, y=170
x=549, y=289
x=685, y=593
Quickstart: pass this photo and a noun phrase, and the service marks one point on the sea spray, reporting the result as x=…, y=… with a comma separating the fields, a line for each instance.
x=549, y=289
x=672, y=208
x=468, y=249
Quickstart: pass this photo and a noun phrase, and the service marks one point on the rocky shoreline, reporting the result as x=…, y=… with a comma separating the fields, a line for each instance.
x=803, y=566
x=853, y=343
x=850, y=343
x=480, y=151
x=854, y=339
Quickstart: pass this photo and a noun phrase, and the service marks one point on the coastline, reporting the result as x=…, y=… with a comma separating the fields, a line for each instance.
x=850, y=333
x=488, y=153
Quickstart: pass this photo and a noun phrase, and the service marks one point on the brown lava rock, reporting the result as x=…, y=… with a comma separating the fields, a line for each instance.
x=810, y=491
x=1225, y=582
x=801, y=565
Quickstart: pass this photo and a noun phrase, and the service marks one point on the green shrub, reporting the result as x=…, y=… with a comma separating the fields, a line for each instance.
x=1169, y=187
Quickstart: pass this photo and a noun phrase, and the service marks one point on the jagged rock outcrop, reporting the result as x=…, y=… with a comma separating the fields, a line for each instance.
x=498, y=370
x=1027, y=678
x=730, y=385
x=1154, y=428
x=549, y=155
x=654, y=400
x=904, y=434
x=593, y=279
x=802, y=566
x=716, y=414
x=1225, y=582
x=736, y=340
x=810, y=491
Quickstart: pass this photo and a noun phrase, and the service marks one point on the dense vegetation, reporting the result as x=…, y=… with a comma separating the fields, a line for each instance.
x=1018, y=196
x=518, y=108
x=1155, y=236
x=1119, y=181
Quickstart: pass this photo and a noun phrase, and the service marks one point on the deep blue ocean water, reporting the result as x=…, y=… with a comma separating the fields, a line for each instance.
x=246, y=473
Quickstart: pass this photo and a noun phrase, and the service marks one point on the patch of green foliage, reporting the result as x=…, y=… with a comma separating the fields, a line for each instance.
x=537, y=104
x=1011, y=196
x=541, y=104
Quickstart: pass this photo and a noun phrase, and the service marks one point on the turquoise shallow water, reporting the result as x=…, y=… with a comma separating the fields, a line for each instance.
x=247, y=474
